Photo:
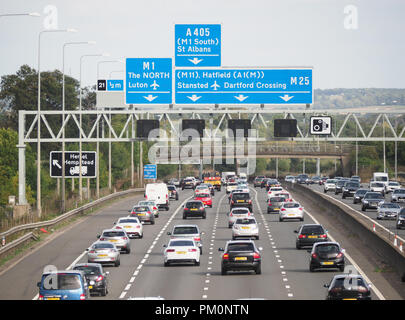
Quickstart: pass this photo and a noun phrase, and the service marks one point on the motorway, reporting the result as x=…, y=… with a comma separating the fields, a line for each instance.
x=285, y=273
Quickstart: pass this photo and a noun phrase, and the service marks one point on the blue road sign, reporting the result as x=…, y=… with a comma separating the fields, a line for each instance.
x=244, y=86
x=197, y=45
x=115, y=85
x=148, y=81
x=149, y=171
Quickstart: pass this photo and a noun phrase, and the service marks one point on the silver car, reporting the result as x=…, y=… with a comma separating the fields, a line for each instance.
x=118, y=237
x=329, y=184
x=238, y=213
x=291, y=210
x=103, y=252
x=388, y=210
x=152, y=204
x=398, y=195
x=245, y=227
x=188, y=231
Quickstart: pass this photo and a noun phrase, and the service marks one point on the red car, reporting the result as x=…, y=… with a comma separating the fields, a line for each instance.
x=205, y=198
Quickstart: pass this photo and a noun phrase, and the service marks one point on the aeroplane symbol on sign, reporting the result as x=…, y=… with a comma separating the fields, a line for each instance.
x=215, y=85
x=154, y=85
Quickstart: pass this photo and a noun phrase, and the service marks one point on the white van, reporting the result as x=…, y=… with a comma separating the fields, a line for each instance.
x=158, y=192
x=381, y=177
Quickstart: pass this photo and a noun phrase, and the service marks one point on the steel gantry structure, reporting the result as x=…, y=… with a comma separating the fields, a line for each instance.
x=349, y=125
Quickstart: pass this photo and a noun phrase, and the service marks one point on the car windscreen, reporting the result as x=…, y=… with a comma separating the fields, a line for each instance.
x=390, y=206
x=393, y=183
x=291, y=205
x=110, y=234
x=241, y=196
x=88, y=270
x=232, y=184
x=373, y=195
x=352, y=185
x=399, y=191
x=185, y=230
x=341, y=183
x=276, y=189
x=141, y=209
x=203, y=195
x=312, y=230
x=237, y=247
x=327, y=248
x=171, y=187
x=128, y=221
x=331, y=181
x=245, y=221
x=194, y=204
x=377, y=184
x=381, y=179
x=181, y=243
x=103, y=246
x=277, y=199
x=65, y=282
x=362, y=191
x=240, y=211
x=352, y=281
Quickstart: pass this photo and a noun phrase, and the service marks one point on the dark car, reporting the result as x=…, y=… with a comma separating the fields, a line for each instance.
x=359, y=195
x=257, y=182
x=272, y=183
x=97, y=280
x=274, y=204
x=308, y=234
x=400, y=223
x=241, y=199
x=349, y=189
x=194, y=208
x=339, y=185
x=371, y=200
x=348, y=287
x=326, y=255
x=188, y=184
x=263, y=183
x=143, y=213
x=315, y=180
x=302, y=178
x=173, y=194
x=240, y=255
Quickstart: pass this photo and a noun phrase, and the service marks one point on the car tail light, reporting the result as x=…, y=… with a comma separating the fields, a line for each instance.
x=92, y=251
x=302, y=236
x=197, y=239
x=225, y=256
x=170, y=250
x=149, y=212
x=146, y=197
x=201, y=208
x=339, y=255
x=154, y=208
x=99, y=278
x=362, y=289
x=231, y=214
x=102, y=239
x=111, y=250
x=300, y=209
x=166, y=196
x=133, y=212
x=185, y=208
x=138, y=226
x=256, y=255
x=322, y=236
x=117, y=227
x=41, y=297
x=232, y=202
x=192, y=250
x=314, y=255
x=282, y=209
x=335, y=290
x=82, y=297
x=250, y=201
x=124, y=238
x=270, y=204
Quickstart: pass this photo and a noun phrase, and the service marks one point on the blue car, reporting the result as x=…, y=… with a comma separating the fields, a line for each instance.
x=63, y=285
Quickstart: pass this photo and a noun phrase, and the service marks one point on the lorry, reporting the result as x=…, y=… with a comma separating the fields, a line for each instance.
x=213, y=178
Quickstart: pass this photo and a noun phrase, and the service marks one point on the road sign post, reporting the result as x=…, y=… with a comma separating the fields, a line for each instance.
x=197, y=45
x=244, y=86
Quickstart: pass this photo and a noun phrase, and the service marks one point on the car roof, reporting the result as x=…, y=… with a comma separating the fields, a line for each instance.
x=90, y=264
x=184, y=225
x=325, y=242
x=66, y=271
x=112, y=230
x=181, y=239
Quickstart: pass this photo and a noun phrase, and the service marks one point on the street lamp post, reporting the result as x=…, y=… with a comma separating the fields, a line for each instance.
x=39, y=209
x=63, y=115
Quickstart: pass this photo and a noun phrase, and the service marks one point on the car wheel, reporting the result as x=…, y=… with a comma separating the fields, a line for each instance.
x=258, y=270
x=342, y=268
x=117, y=263
x=363, y=209
x=257, y=238
x=104, y=292
x=324, y=191
x=343, y=197
x=229, y=226
x=197, y=263
x=204, y=216
x=223, y=271
x=152, y=222
x=297, y=246
x=302, y=219
x=141, y=236
x=280, y=219
x=184, y=217
x=311, y=268
x=128, y=251
x=166, y=264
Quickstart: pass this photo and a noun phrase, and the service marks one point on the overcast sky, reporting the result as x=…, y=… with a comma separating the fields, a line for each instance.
x=254, y=33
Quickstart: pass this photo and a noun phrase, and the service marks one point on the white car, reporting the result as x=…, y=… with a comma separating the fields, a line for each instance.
x=238, y=213
x=245, y=227
x=181, y=251
x=377, y=187
x=231, y=186
x=291, y=210
x=243, y=186
x=202, y=189
x=152, y=204
x=273, y=191
x=290, y=179
x=329, y=184
x=392, y=185
x=131, y=225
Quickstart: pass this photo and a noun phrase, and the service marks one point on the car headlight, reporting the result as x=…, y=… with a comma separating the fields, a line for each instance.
x=365, y=201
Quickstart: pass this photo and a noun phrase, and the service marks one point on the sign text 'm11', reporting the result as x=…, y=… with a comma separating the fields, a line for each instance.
x=244, y=86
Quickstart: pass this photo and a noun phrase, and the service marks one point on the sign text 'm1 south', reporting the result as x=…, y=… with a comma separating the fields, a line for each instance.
x=148, y=81
x=197, y=45
x=244, y=86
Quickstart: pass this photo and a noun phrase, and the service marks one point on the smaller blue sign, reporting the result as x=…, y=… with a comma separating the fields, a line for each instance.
x=150, y=171
x=197, y=45
x=115, y=85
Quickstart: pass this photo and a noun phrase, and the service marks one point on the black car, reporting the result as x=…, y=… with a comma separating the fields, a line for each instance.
x=271, y=183
x=348, y=287
x=349, y=189
x=339, y=186
x=359, y=195
x=263, y=183
x=274, y=204
x=302, y=178
x=173, y=192
x=308, y=234
x=371, y=200
x=240, y=255
x=97, y=280
x=188, y=184
x=194, y=208
x=400, y=223
x=241, y=199
x=326, y=255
